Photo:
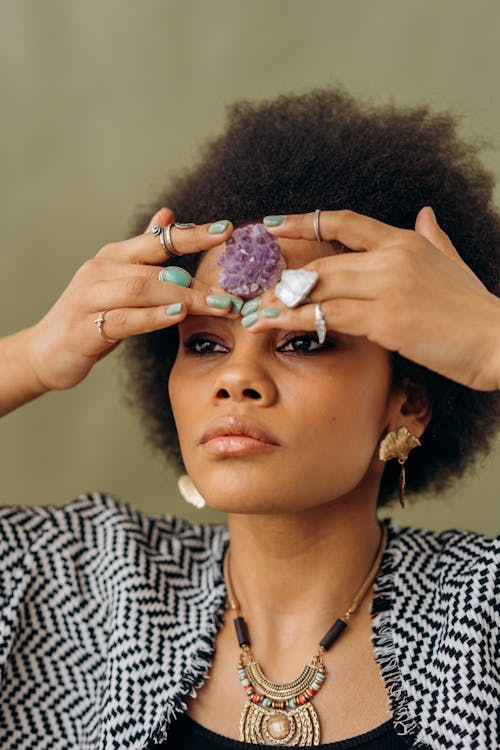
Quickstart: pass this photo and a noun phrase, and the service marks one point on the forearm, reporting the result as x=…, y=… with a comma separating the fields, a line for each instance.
x=18, y=381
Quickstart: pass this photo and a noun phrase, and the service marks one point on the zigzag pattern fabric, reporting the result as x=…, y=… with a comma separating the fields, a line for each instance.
x=108, y=619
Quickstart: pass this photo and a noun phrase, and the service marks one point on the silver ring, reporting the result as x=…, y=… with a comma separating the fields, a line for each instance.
x=319, y=323
x=316, y=225
x=167, y=233
x=99, y=321
x=164, y=233
x=158, y=232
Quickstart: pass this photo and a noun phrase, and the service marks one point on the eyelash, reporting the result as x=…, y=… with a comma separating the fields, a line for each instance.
x=191, y=344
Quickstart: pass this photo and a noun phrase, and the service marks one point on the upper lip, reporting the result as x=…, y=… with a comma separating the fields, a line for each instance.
x=225, y=426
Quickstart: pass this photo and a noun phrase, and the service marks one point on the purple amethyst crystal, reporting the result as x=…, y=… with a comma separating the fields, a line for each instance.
x=252, y=261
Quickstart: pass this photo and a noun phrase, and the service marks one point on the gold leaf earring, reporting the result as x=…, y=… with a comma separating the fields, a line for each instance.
x=398, y=445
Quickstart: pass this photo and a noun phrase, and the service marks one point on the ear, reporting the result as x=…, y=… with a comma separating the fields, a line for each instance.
x=410, y=407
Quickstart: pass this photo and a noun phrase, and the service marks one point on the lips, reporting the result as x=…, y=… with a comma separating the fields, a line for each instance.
x=237, y=426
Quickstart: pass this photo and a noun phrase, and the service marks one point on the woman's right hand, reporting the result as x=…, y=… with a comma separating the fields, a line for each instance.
x=122, y=279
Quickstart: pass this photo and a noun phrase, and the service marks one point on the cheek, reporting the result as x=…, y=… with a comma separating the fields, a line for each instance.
x=179, y=400
x=343, y=413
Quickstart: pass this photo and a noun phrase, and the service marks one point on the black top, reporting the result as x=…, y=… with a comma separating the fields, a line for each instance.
x=189, y=735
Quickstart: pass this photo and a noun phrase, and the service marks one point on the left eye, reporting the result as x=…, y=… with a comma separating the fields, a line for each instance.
x=304, y=344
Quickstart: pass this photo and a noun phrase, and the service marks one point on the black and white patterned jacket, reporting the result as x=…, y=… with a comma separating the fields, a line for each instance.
x=108, y=619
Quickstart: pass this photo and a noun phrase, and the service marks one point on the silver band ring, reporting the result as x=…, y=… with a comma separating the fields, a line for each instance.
x=167, y=233
x=157, y=231
x=99, y=321
x=319, y=323
x=316, y=225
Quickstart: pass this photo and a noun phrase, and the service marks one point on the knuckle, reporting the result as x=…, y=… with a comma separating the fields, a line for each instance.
x=345, y=215
x=189, y=297
x=136, y=286
x=152, y=316
x=200, y=233
x=118, y=318
x=107, y=250
x=93, y=266
x=89, y=272
x=399, y=257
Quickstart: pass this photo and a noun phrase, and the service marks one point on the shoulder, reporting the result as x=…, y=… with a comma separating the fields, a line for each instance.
x=93, y=513
x=450, y=559
x=435, y=631
x=95, y=526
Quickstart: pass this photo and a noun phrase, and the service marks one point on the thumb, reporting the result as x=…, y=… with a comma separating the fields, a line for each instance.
x=162, y=217
x=427, y=226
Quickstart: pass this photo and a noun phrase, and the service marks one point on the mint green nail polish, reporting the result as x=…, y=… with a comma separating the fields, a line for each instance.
x=174, y=309
x=271, y=312
x=272, y=221
x=175, y=275
x=251, y=306
x=236, y=304
x=250, y=319
x=221, y=301
x=218, y=227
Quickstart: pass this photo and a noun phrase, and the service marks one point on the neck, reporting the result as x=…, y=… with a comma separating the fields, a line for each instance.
x=294, y=574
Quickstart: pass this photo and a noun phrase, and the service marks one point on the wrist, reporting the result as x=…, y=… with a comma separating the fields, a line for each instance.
x=19, y=382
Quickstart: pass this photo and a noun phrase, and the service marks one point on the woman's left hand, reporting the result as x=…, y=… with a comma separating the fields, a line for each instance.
x=409, y=291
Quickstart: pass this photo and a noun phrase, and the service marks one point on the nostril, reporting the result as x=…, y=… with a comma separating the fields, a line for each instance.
x=251, y=393
x=222, y=393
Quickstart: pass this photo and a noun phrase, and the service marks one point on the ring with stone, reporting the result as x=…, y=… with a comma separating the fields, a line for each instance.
x=319, y=323
x=175, y=275
x=294, y=286
x=99, y=322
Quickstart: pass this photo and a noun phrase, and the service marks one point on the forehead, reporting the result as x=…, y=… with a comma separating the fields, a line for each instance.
x=297, y=253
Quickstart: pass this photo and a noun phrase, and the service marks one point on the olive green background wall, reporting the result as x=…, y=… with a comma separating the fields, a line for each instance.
x=103, y=100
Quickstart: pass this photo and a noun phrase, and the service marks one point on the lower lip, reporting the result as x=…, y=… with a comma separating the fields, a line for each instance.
x=237, y=445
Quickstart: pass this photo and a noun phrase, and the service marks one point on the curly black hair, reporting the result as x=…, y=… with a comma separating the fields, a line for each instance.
x=323, y=148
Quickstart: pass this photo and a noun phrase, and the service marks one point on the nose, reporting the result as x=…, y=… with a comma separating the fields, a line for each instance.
x=244, y=378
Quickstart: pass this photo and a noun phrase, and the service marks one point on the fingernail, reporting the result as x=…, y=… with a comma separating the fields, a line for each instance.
x=236, y=304
x=220, y=301
x=175, y=275
x=174, y=309
x=432, y=211
x=251, y=306
x=271, y=312
x=218, y=227
x=272, y=221
x=250, y=319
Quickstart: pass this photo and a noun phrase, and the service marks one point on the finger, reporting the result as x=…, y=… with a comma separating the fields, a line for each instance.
x=123, y=322
x=356, y=231
x=162, y=217
x=347, y=316
x=349, y=275
x=426, y=225
x=100, y=269
x=141, y=292
x=147, y=248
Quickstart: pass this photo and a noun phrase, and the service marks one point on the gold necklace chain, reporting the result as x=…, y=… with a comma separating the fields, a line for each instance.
x=282, y=713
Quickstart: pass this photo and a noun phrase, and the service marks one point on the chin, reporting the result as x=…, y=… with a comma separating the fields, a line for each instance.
x=254, y=497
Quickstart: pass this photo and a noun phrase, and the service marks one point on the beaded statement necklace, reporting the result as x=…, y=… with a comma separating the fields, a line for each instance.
x=282, y=713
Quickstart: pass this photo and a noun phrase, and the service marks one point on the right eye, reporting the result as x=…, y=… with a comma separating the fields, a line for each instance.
x=202, y=346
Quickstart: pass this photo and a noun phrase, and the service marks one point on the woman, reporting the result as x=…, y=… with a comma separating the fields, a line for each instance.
x=113, y=621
